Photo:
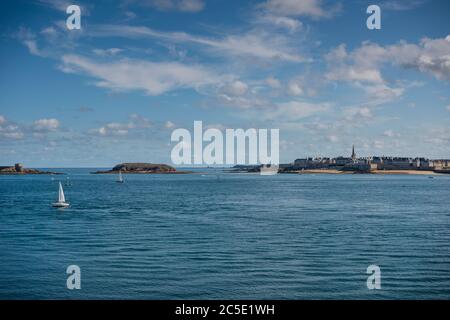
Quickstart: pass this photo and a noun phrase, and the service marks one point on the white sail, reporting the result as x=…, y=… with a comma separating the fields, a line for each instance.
x=120, y=176
x=61, y=197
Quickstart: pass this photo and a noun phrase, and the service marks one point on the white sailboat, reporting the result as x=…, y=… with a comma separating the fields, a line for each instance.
x=120, y=179
x=61, y=199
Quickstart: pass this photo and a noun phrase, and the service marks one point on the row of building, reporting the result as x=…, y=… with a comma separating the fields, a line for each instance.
x=353, y=163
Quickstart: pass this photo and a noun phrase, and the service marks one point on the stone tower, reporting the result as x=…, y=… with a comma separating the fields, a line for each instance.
x=18, y=167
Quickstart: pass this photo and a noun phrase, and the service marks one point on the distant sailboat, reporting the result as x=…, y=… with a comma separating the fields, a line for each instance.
x=120, y=179
x=61, y=199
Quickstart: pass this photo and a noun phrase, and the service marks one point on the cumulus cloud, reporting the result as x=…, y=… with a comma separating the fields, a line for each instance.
x=46, y=125
x=352, y=66
x=363, y=64
x=9, y=130
x=154, y=78
x=118, y=129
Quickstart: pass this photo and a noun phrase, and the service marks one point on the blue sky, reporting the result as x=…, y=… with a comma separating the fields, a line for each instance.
x=116, y=89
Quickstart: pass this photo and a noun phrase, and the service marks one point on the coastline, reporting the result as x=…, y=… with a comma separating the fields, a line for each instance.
x=143, y=172
x=334, y=171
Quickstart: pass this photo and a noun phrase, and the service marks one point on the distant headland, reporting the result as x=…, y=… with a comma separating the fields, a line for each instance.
x=19, y=169
x=142, y=168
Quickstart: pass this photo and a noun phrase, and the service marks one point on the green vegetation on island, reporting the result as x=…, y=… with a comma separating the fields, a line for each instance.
x=142, y=168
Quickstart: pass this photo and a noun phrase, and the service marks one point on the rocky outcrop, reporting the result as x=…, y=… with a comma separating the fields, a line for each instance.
x=19, y=169
x=143, y=168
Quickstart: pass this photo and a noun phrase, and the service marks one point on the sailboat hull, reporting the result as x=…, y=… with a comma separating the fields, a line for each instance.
x=60, y=204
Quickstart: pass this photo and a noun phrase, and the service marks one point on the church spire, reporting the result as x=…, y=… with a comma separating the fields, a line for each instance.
x=353, y=153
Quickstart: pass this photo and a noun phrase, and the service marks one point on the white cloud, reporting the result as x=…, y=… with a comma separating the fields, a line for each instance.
x=16, y=135
x=290, y=24
x=390, y=133
x=430, y=56
x=29, y=40
x=9, y=130
x=46, y=125
x=382, y=92
x=243, y=102
x=154, y=78
x=61, y=5
x=333, y=138
x=138, y=121
x=352, y=66
x=116, y=129
x=364, y=63
x=112, y=129
x=259, y=44
x=107, y=52
x=49, y=31
x=130, y=15
x=56, y=4
x=272, y=82
x=169, y=125
x=363, y=66
x=294, y=110
x=357, y=114
x=310, y=8
x=295, y=89
x=236, y=88
x=401, y=5
x=448, y=108
x=175, y=5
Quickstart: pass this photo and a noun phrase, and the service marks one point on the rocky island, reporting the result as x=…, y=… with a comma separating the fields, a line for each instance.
x=19, y=169
x=142, y=168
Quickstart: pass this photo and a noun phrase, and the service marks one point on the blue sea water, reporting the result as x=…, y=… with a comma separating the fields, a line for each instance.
x=239, y=236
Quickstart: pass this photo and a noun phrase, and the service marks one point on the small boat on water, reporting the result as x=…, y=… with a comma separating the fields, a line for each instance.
x=61, y=203
x=120, y=178
x=269, y=170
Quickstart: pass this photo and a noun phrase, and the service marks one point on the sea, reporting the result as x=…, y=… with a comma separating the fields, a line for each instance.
x=215, y=235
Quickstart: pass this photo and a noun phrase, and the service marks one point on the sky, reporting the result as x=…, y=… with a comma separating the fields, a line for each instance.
x=115, y=90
